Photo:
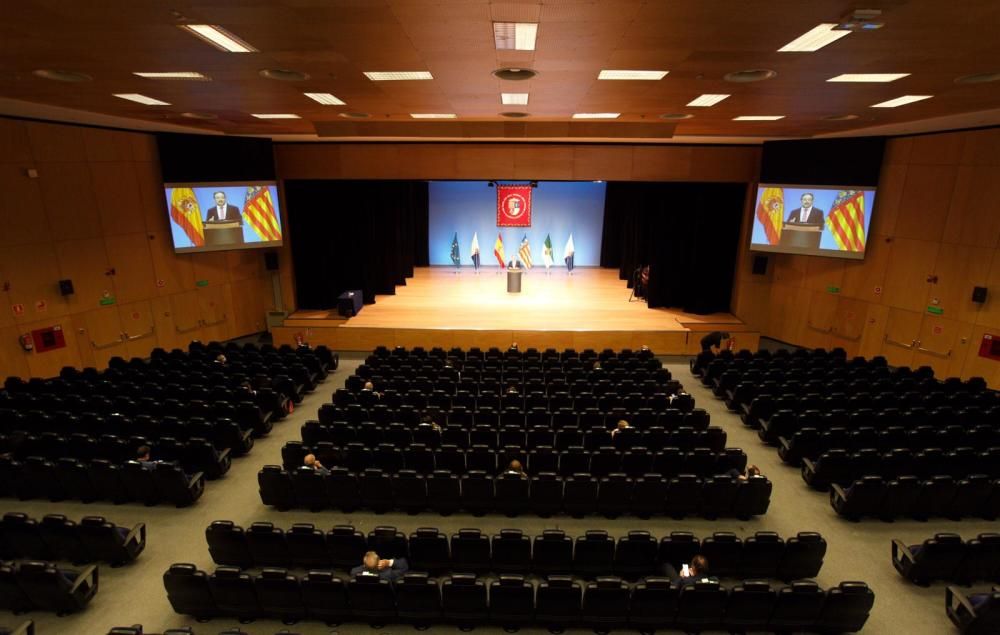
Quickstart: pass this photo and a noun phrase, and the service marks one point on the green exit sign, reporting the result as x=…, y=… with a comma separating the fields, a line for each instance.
x=832, y=289
x=935, y=310
x=201, y=283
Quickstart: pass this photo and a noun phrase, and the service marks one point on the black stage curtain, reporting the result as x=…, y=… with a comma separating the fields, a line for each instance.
x=366, y=235
x=686, y=232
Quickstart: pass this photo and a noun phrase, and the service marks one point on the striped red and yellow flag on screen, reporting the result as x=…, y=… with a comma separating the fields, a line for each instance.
x=186, y=213
x=770, y=212
x=259, y=212
x=846, y=220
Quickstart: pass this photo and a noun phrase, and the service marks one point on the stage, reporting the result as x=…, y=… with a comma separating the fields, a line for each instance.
x=438, y=307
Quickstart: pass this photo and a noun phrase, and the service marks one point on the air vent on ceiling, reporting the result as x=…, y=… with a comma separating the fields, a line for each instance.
x=978, y=78
x=199, y=115
x=676, y=115
x=62, y=76
x=840, y=117
x=354, y=115
x=514, y=115
x=514, y=74
x=283, y=75
x=752, y=75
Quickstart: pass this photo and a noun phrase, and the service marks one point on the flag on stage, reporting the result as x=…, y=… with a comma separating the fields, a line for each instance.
x=547, y=251
x=498, y=251
x=770, y=212
x=454, y=251
x=568, y=253
x=525, y=252
x=259, y=212
x=846, y=220
x=474, y=250
x=185, y=211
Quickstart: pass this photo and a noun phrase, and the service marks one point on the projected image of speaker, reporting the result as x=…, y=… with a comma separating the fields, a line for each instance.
x=66, y=287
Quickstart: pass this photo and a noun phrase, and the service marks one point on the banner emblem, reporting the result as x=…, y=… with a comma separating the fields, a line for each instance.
x=513, y=206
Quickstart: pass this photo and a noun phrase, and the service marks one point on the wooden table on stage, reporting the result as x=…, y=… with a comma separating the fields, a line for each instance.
x=513, y=281
x=228, y=232
x=801, y=236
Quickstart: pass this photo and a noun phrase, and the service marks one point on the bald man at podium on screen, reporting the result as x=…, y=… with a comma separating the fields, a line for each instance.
x=806, y=215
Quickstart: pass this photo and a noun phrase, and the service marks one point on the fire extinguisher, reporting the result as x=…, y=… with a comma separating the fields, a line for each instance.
x=26, y=342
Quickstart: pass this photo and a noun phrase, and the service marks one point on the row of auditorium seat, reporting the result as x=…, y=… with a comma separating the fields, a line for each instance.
x=510, y=601
x=843, y=467
x=544, y=494
x=947, y=557
x=908, y=496
x=638, y=554
x=980, y=618
x=810, y=443
x=599, y=462
x=55, y=537
x=655, y=438
x=493, y=380
x=475, y=352
x=98, y=479
x=532, y=400
x=42, y=586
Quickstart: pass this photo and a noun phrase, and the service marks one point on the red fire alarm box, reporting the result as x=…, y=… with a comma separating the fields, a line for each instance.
x=990, y=347
x=48, y=339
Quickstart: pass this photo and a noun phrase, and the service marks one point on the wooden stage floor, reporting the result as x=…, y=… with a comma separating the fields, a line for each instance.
x=438, y=307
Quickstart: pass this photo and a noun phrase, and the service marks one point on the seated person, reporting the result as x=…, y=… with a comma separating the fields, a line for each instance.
x=512, y=390
x=752, y=470
x=714, y=341
x=690, y=574
x=513, y=348
x=390, y=570
x=220, y=359
x=515, y=468
x=310, y=460
x=143, y=456
x=622, y=425
x=370, y=387
x=597, y=366
x=427, y=421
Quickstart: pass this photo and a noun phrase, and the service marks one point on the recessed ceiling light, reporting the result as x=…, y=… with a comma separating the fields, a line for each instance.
x=397, y=76
x=901, y=101
x=868, y=77
x=976, y=78
x=433, y=115
x=190, y=75
x=596, y=115
x=199, y=115
x=676, y=115
x=514, y=115
x=141, y=99
x=282, y=74
x=514, y=99
x=219, y=38
x=758, y=117
x=647, y=75
x=840, y=117
x=814, y=39
x=751, y=75
x=274, y=115
x=325, y=98
x=62, y=76
x=354, y=115
x=516, y=36
x=514, y=74
x=706, y=100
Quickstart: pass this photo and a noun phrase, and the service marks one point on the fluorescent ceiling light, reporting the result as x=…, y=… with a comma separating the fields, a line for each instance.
x=514, y=99
x=758, y=117
x=274, y=115
x=814, y=39
x=395, y=76
x=325, y=98
x=433, y=115
x=706, y=100
x=517, y=36
x=901, y=101
x=596, y=115
x=141, y=99
x=648, y=75
x=219, y=38
x=868, y=77
x=175, y=75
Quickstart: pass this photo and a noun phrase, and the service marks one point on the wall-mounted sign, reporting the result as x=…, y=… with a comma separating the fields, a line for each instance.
x=17, y=309
x=41, y=307
x=48, y=339
x=990, y=347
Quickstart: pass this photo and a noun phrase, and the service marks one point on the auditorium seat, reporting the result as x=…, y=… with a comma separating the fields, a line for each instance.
x=227, y=544
x=700, y=606
x=371, y=599
x=512, y=601
x=510, y=552
x=275, y=486
x=62, y=591
x=267, y=545
x=803, y=556
x=846, y=609
x=418, y=599
x=470, y=551
x=307, y=546
x=938, y=558
x=280, y=595
x=429, y=550
x=981, y=618
x=106, y=542
x=234, y=594
x=863, y=498
x=464, y=600
x=346, y=546
x=750, y=604
x=798, y=606
x=558, y=602
x=605, y=603
x=593, y=553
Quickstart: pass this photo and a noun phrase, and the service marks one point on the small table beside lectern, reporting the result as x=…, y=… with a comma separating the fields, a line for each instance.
x=801, y=236
x=513, y=281
x=228, y=232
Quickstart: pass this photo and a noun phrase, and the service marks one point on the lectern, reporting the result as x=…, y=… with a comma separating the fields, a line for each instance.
x=800, y=236
x=228, y=232
x=513, y=281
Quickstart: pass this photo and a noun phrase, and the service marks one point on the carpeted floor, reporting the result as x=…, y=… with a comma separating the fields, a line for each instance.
x=134, y=594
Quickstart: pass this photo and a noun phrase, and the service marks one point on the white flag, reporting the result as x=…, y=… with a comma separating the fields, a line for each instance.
x=568, y=253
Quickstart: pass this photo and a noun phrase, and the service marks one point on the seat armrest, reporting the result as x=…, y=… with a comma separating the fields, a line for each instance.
x=197, y=476
x=88, y=575
x=808, y=465
x=836, y=491
x=138, y=534
x=224, y=454
x=901, y=552
x=955, y=599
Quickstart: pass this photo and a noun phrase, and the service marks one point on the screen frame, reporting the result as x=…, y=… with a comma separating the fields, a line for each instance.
x=256, y=245
x=801, y=251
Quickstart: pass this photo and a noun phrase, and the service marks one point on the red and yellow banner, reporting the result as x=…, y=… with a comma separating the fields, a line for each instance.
x=259, y=212
x=846, y=221
x=770, y=212
x=513, y=206
x=186, y=213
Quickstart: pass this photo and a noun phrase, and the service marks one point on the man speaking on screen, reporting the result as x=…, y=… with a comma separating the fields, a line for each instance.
x=222, y=211
x=806, y=214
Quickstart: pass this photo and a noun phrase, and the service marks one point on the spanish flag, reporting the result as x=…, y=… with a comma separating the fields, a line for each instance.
x=498, y=251
x=186, y=213
x=846, y=221
x=770, y=212
x=259, y=212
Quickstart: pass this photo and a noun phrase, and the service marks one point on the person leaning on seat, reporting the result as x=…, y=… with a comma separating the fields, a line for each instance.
x=714, y=341
x=751, y=471
x=516, y=469
x=391, y=570
x=310, y=460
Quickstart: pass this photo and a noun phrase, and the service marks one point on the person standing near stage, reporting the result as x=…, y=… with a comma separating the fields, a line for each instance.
x=714, y=341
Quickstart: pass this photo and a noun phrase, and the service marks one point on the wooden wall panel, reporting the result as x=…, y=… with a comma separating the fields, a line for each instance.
x=865, y=279
x=888, y=198
x=428, y=161
x=138, y=327
x=972, y=216
x=154, y=201
x=942, y=345
x=85, y=262
x=104, y=330
x=70, y=204
x=119, y=199
x=910, y=263
x=902, y=330
x=822, y=273
x=483, y=162
x=959, y=268
x=937, y=149
x=872, y=336
x=543, y=162
x=661, y=163
x=21, y=194
x=129, y=256
x=213, y=313
x=605, y=164
x=56, y=143
x=186, y=315
x=13, y=359
x=361, y=161
x=15, y=146
x=923, y=208
x=174, y=273
x=33, y=274
x=107, y=145
x=250, y=304
x=976, y=366
x=210, y=266
x=982, y=147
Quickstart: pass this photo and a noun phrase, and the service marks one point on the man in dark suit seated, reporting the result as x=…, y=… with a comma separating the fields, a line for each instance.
x=223, y=212
x=806, y=214
x=143, y=457
x=390, y=570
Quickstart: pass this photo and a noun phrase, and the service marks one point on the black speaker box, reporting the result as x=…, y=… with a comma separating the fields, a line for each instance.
x=66, y=287
x=271, y=260
x=979, y=294
x=759, y=265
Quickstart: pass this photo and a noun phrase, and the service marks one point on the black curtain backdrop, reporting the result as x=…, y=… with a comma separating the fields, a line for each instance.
x=686, y=232
x=366, y=235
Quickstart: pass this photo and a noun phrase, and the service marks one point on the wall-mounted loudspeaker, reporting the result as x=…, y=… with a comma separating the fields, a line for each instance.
x=979, y=294
x=759, y=265
x=271, y=260
x=66, y=287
